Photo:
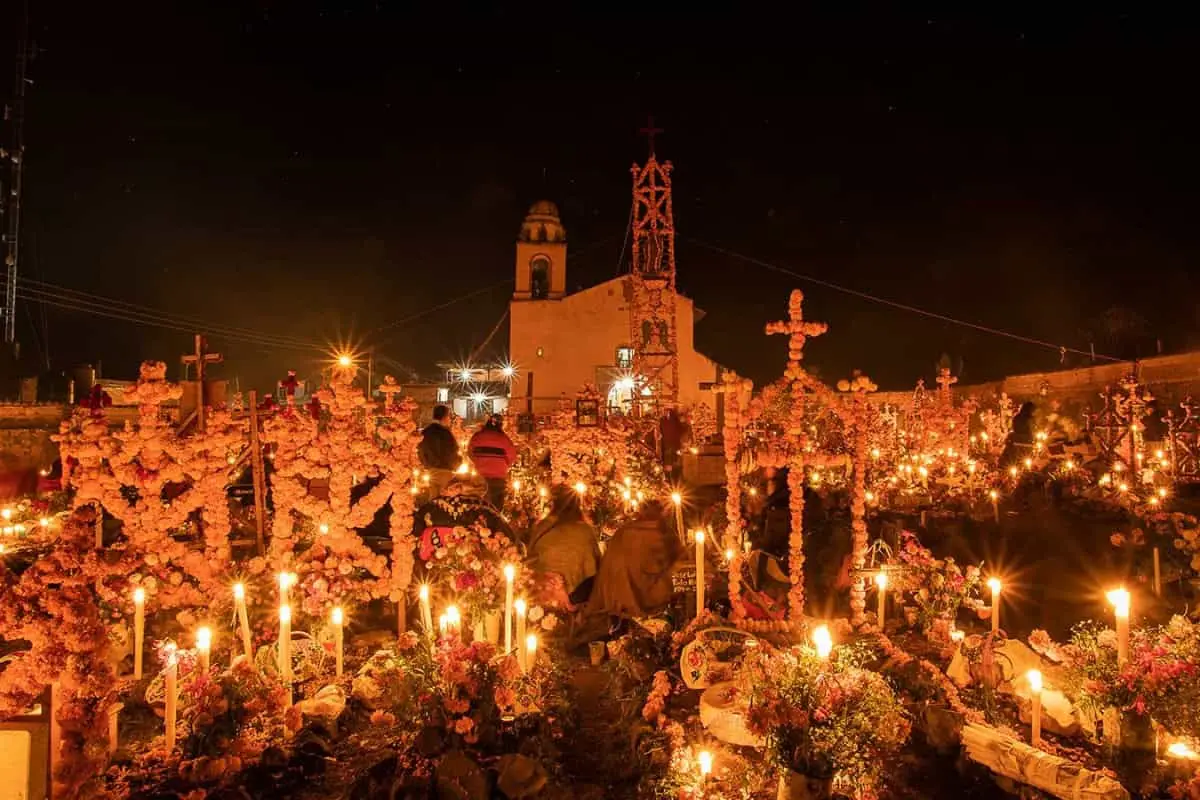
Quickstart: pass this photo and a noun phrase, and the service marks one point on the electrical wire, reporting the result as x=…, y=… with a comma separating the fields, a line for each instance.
x=439, y=307
x=892, y=303
x=487, y=340
x=139, y=319
x=88, y=298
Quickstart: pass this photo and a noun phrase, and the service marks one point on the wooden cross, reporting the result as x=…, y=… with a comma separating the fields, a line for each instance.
x=200, y=357
x=649, y=131
x=796, y=327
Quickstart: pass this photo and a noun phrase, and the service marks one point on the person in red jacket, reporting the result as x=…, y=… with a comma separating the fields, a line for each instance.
x=493, y=453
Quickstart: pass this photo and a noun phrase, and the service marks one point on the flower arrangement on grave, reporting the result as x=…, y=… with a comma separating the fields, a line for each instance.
x=937, y=587
x=469, y=564
x=230, y=718
x=823, y=717
x=1161, y=679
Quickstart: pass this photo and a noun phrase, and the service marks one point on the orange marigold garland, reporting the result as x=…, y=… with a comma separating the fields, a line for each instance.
x=860, y=413
x=798, y=331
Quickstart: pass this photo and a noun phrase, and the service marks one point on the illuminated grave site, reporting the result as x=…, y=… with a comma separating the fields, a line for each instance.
x=651, y=522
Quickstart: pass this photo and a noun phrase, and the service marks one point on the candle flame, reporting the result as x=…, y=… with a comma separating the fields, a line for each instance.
x=729, y=554
x=519, y=606
x=705, y=760
x=139, y=596
x=823, y=641
x=581, y=487
x=1035, y=680
x=239, y=591
x=204, y=638
x=994, y=584
x=676, y=498
x=699, y=537
x=881, y=580
x=1182, y=750
x=423, y=591
x=285, y=613
x=510, y=572
x=531, y=643
x=453, y=616
x=1119, y=598
x=337, y=617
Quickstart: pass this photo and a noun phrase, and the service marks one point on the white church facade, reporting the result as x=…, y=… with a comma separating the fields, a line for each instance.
x=568, y=340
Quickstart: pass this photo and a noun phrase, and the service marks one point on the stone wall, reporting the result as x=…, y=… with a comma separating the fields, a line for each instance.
x=1170, y=378
x=26, y=428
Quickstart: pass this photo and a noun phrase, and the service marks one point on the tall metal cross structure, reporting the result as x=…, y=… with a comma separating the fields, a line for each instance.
x=649, y=132
x=200, y=357
x=652, y=311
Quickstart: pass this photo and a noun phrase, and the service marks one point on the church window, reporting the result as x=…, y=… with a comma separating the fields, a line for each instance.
x=625, y=357
x=539, y=278
x=443, y=394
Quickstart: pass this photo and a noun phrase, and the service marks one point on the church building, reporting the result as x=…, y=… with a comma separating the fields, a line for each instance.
x=593, y=336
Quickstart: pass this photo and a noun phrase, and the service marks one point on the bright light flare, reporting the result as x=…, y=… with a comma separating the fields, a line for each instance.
x=1035, y=680
x=823, y=641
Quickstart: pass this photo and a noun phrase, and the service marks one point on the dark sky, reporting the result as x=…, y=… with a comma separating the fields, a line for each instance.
x=318, y=170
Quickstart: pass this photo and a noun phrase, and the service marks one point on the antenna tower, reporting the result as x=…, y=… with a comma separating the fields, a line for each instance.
x=652, y=279
x=10, y=204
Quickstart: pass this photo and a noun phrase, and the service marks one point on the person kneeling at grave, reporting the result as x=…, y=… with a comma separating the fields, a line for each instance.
x=564, y=544
x=634, y=579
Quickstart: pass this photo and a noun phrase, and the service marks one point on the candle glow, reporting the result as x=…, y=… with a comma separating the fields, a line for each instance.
x=823, y=641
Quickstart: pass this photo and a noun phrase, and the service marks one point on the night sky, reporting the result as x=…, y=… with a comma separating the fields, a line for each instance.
x=318, y=170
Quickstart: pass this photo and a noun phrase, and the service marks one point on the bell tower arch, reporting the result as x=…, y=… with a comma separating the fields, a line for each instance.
x=541, y=266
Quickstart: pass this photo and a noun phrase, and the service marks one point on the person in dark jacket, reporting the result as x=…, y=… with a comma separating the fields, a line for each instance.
x=438, y=450
x=1020, y=436
x=463, y=503
x=493, y=453
x=775, y=522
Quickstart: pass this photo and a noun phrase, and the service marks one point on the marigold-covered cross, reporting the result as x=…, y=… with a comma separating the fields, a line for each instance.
x=798, y=328
x=945, y=380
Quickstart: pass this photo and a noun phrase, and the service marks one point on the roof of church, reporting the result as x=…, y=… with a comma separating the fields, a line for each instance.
x=542, y=224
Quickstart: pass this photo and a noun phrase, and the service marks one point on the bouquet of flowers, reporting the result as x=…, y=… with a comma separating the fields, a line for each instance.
x=1160, y=679
x=469, y=562
x=937, y=587
x=823, y=717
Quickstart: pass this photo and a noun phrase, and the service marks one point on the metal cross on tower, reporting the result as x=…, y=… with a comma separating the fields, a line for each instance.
x=652, y=282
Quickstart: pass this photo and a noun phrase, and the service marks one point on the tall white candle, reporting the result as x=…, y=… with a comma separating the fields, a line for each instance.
x=994, y=585
x=995, y=496
x=285, y=586
x=239, y=602
x=677, y=499
x=139, y=630
x=519, y=609
x=204, y=647
x=1157, y=575
x=426, y=612
x=699, y=572
x=531, y=646
x=1035, y=686
x=823, y=641
x=285, y=645
x=1120, y=601
x=881, y=580
x=453, y=621
x=510, y=574
x=172, y=695
x=704, y=760
x=337, y=618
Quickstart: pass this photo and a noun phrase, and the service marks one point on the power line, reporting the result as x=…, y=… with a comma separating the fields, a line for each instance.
x=439, y=307
x=145, y=320
x=487, y=340
x=902, y=306
x=88, y=298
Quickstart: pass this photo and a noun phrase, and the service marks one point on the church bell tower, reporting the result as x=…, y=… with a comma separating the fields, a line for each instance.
x=541, y=255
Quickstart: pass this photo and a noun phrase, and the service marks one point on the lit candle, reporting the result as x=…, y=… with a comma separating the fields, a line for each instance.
x=994, y=584
x=172, y=695
x=699, y=572
x=995, y=496
x=1035, y=686
x=139, y=630
x=823, y=641
x=510, y=573
x=285, y=645
x=1120, y=603
x=285, y=583
x=426, y=613
x=453, y=621
x=881, y=580
x=337, y=618
x=442, y=625
x=677, y=499
x=704, y=760
x=1157, y=575
x=204, y=647
x=519, y=608
x=531, y=645
x=239, y=602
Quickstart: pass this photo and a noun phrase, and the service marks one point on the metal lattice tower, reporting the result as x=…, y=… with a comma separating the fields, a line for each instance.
x=10, y=204
x=652, y=279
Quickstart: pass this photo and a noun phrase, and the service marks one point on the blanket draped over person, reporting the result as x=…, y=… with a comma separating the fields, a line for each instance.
x=634, y=580
x=563, y=543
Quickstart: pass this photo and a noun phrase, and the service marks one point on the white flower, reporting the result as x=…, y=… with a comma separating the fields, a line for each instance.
x=549, y=622
x=536, y=613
